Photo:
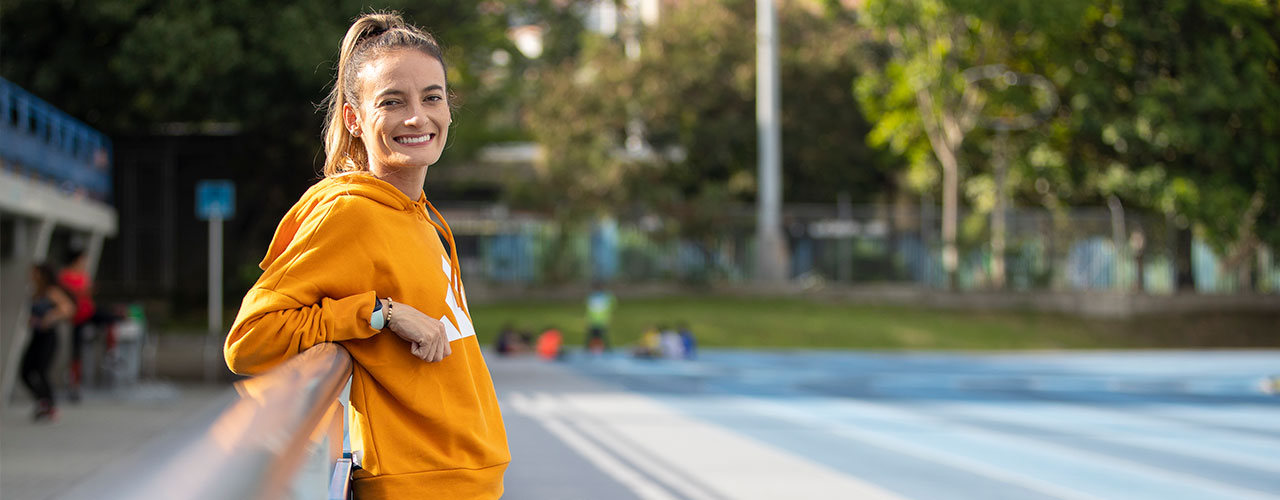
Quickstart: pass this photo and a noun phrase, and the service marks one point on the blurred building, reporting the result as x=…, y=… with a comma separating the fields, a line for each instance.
x=55, y=198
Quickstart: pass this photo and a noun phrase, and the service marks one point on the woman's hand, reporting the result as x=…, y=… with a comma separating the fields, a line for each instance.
x=425, y=334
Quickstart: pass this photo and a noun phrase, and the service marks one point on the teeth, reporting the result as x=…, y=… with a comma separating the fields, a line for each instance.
x=415, y=140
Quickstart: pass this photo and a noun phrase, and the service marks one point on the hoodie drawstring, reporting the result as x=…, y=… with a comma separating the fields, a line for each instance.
x=455, y=281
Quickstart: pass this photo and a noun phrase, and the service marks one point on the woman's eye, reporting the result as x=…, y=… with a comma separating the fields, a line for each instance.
x=435, y=98
x=389, y=102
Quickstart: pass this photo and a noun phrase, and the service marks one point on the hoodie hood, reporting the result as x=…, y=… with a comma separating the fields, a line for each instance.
x=328, y=190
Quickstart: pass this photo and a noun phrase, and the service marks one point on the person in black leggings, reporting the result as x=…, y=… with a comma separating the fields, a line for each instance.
x=50, y=305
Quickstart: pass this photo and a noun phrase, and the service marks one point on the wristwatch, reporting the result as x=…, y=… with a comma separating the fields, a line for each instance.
x=377, y=320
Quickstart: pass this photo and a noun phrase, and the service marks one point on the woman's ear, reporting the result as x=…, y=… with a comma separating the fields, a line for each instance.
x=351, y=119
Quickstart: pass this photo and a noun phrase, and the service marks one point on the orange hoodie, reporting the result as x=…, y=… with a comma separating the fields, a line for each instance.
x=419, y=430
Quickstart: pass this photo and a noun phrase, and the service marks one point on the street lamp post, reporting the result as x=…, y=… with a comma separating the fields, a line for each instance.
x=770, y=248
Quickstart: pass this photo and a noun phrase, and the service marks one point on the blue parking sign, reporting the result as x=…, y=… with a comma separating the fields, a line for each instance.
x=215, y=196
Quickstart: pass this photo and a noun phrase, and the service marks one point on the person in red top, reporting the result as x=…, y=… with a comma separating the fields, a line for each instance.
x=549, y=344
x=75, y=278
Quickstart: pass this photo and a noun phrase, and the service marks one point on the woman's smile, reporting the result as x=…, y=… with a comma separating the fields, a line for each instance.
x=415, y=140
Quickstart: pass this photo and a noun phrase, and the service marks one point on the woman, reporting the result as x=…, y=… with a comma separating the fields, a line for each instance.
x=75, y=279
x=50, y=306
x=358, y=260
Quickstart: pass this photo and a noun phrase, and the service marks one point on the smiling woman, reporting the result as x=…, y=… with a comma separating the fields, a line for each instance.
x=402, y=116
x=424, y=418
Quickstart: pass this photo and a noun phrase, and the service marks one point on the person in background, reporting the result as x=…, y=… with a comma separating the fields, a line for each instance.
x=51, y=305
x=549, y=342
x=672, y=344
x=650, y=345
x=690, y=343
x=599, y=311
x=360, y=261
x=504, y=345
x=511, y=342
x=75, y=278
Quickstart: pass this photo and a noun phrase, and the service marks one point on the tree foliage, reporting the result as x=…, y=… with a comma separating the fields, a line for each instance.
x=692, y=86
x=1169, y=105
x=131, y=66
x=1174, y=106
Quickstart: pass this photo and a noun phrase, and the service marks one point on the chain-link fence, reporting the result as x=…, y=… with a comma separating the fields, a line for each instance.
x=1083, y=249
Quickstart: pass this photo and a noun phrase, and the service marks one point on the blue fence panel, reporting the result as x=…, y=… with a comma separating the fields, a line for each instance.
x=508, y=258
x=1090, y=264
x=53, y=145
x=604, y=250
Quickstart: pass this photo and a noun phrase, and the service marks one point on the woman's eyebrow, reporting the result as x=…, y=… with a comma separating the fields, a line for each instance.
x=434, y=86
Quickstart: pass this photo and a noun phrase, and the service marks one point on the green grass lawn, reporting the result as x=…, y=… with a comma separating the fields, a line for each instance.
x=800, y=323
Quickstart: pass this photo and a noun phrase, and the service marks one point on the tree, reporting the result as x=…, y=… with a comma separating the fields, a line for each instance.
x=692, y=86
x=916, y=91
x=144, y=71
x=129, y=67
x=1166, y=104
x=1174, y=105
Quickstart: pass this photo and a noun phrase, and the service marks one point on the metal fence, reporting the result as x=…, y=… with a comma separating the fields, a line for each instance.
x=1083, y=249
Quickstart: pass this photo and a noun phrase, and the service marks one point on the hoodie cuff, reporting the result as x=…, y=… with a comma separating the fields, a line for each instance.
x=348, y=317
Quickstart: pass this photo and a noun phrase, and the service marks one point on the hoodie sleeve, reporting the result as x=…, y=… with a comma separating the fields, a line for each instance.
x=317, y=290
x=273, y=331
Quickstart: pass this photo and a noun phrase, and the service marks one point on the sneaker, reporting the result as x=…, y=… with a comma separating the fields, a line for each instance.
x=46, y=413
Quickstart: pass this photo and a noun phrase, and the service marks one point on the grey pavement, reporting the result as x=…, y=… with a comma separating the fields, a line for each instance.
x=40, y=461
x=542, y=465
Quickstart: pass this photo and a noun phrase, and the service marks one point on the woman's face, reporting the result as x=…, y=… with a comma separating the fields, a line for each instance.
x=403, y=114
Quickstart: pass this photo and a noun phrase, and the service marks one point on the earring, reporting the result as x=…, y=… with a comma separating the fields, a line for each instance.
x=355, y=132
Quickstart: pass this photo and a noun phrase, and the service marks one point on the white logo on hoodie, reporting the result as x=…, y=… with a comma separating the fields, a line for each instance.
x=463, y=328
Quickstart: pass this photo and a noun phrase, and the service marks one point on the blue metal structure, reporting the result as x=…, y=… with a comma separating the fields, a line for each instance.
x=50, y=144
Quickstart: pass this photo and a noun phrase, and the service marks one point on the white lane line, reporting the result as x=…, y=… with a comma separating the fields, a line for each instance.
x=904, y=447
x=1113, y=464
x=727, y=462
x=1248, y=420
x=633, y=454
x=627, y=476
x=1130, y=429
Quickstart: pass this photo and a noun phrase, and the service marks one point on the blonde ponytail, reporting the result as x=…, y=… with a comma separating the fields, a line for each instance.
x=369, y=36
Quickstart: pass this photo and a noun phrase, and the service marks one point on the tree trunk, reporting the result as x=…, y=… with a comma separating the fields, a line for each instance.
x=998, y=213
x=1182, y=260
x=945, y=148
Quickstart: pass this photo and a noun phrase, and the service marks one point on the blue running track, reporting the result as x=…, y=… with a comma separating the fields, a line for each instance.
x=805, y=424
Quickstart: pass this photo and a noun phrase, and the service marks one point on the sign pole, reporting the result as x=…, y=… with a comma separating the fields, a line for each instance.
x=215, y=296
x=215, y=272
x=215, y=202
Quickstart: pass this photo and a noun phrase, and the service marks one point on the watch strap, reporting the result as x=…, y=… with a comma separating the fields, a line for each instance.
x=377, y=320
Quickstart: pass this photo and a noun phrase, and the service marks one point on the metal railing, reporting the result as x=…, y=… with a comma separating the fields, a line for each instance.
x=52, y=145
x=277, y=435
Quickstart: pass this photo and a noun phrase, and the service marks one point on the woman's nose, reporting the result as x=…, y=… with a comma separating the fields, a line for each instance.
x=414, y=119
